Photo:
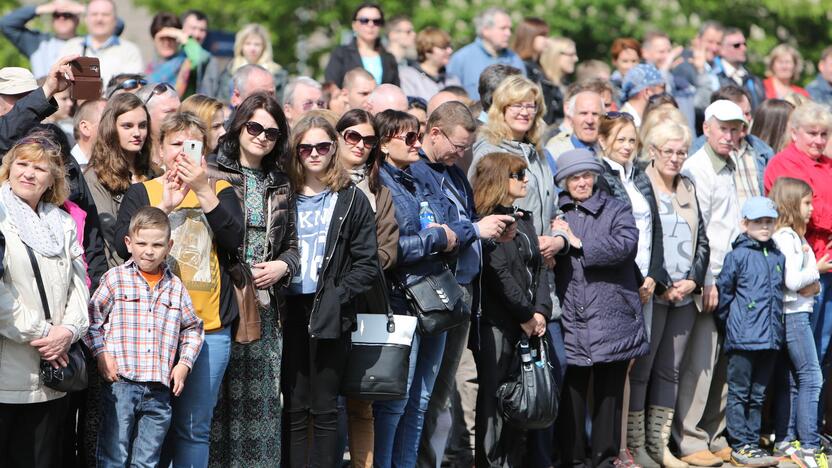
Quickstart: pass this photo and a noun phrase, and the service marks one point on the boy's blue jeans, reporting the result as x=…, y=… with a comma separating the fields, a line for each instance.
x=135, y=417
x=749, y=373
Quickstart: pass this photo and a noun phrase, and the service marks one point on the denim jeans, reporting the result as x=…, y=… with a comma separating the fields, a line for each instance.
x=188, y=440
x=398, y=423
x=822, y=328
x=135, y=417
x=796, y=416
x=749, y=373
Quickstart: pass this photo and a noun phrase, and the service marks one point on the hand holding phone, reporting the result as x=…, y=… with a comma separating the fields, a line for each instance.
x=193, y=149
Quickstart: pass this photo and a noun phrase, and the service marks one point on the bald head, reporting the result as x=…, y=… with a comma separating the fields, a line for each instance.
x=441, y=98
x=386, y=97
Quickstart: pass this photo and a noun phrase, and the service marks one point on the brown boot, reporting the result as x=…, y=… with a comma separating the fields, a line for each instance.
x=724, y=454
x=659, y=420
x=635, y=440
x=702, y=458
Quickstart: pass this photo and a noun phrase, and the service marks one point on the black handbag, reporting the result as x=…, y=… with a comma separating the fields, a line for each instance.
x=529, y=399
x=437, y=300
x=73, y=376
x=379, y=356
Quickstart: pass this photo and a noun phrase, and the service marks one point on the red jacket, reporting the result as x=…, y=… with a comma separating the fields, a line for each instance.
x=768, y=84
x=792, y=162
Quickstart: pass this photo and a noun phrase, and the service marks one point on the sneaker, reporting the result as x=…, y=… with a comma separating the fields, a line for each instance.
x=810, y=458
x=625, y=460
x=751, y=456
x=783, y=450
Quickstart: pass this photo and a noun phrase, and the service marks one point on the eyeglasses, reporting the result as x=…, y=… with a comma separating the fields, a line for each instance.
x=160, y=88
x=308, y=105
x=63, y=15
x=254, y=129
x=619, y=115
x=323, y=148
x=519, y=175
x=352, y=138
x=517, y=108
x=669, y=153
x=376, y=21
x=128, y=85
x=409, y=138
x=457, y=148
x=738, y=45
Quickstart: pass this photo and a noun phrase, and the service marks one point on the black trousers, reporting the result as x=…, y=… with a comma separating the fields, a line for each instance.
x=311, y=380
x=29, y=434
x=607, y=398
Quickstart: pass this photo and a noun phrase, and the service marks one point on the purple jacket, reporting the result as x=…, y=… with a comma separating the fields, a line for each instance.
x=598, y=284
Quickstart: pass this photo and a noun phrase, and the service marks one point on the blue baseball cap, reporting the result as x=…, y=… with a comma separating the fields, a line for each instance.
x=759, y=207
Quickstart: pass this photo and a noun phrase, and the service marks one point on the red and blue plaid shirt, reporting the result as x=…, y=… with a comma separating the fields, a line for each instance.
x=143, y=329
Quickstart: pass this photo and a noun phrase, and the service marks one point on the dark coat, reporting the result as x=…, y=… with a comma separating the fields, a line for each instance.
x=610, y=181
x=346, y=57
x=598, y=284
x=350, y=266
x=25, y=115
x=552, y=94
x=750, y=289
x=514, y=278
x=280, y=211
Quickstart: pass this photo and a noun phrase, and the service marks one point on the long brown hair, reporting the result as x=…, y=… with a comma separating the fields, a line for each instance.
x=336, y=177
x=787, y=193
x=108, y=158
x=491, y=180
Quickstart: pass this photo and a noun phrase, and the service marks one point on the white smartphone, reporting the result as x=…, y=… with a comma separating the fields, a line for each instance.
x=193, y=149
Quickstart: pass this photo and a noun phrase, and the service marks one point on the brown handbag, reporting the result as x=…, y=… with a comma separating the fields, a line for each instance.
x=247, y=326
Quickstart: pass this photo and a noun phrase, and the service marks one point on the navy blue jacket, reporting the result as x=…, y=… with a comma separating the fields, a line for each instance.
x=420, y=251
x=750, y=289
x=598, y=284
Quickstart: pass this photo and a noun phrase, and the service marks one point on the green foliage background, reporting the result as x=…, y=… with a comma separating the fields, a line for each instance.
x=304, y=31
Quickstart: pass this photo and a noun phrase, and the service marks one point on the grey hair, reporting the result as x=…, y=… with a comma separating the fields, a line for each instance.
x=146, y=91
x=569, y=106
x=289, y=91
x=240, y=77
x=486, y=18
x=562, y=183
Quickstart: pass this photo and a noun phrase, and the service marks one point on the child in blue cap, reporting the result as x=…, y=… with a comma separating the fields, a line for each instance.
x=750, y=309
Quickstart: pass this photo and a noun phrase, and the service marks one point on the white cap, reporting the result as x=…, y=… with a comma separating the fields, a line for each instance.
x=16, y=80
x=724, y=111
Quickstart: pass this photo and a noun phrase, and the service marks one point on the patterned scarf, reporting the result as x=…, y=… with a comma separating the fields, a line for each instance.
x=42, y=231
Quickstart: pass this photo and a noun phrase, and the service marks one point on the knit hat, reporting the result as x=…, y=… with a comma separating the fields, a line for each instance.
x=16, y=80
x=640, y=77
x=575, y=162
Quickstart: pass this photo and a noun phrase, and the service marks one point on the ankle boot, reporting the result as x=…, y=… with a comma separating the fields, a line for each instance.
x=659, y=420
x=635, y=440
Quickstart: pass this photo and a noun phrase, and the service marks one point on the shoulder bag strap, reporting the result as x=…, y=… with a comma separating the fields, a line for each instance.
x=39, y=280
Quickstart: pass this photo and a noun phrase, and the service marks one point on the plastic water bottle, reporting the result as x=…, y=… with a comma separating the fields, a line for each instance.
x=425, y=215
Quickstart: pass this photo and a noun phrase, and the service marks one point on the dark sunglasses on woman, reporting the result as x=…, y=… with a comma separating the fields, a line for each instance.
x=409, y=138
x=254, y=129
x=157, y=90
x=376, y=21
x=519, y=175
x=352, y=137
x=619, y=115
x=323, y=148
x=128, y=85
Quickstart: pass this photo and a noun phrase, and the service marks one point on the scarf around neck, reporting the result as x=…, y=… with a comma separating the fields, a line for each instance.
x=41, y=230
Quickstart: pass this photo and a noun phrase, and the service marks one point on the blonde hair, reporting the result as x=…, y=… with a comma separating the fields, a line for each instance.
x=512, y=90
x=810, y=114
x=787, y=193
x=550, y=58
x=204, y=107
x=664, y=131
x=656, y=117
x=37, y=148
x=266, y=59
x=780, y=51
x=492, y=178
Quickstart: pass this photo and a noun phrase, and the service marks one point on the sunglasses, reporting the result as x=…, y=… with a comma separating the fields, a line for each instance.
x=619, y=115
x=376, y=21
x=63, y=15
x=352, y=138
x=738, y=45
x=128, y=85
x=323, y=148
x=160, y=88
x=519, y=175
x=409, y=138
x=254, y=129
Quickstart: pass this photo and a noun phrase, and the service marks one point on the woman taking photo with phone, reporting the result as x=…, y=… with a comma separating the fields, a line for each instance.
x=336, y=237
x=247, y=423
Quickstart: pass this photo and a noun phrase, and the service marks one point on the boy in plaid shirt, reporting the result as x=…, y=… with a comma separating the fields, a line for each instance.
x=141, y=319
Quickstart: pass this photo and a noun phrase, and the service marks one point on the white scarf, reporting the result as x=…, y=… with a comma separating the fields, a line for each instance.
x=42, y=231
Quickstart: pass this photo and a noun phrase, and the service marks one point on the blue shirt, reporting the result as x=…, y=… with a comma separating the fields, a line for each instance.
x=468, y=63
x=373, y=65
x=314, y=213
x=578, y=144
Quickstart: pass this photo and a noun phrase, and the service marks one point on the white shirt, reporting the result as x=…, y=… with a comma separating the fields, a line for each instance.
x=719, y=206
x=641, y=213
x=628, y=108
x=801, y=270
x=116, y=56
x=79, y=156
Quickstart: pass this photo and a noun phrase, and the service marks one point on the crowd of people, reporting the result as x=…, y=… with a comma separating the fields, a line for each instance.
x=212, y=233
